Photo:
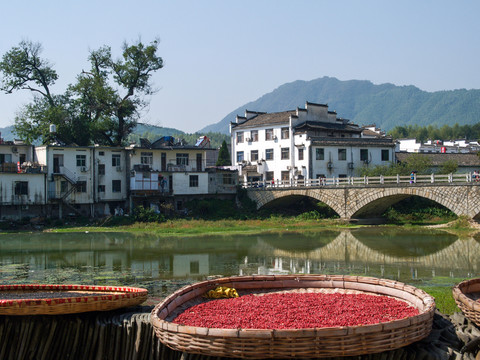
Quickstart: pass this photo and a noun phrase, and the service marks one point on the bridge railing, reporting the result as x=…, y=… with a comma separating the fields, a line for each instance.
x=366, y=180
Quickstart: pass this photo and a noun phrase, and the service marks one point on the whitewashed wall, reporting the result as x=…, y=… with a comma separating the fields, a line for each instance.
x=36, y=189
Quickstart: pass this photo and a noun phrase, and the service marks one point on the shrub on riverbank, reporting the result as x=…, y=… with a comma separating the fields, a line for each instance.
x=417, y=210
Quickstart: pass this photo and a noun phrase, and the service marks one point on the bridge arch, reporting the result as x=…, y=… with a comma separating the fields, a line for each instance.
x=333, y=199
x=454, y=198
x=353, y=201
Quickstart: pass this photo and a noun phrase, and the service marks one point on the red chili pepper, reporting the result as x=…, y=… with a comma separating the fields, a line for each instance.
x=296, y=311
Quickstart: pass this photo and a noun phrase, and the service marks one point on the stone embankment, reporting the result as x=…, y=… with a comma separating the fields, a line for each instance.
x=127, y=334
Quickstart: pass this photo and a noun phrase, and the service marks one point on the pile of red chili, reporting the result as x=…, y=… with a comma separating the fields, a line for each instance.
x=295, y=311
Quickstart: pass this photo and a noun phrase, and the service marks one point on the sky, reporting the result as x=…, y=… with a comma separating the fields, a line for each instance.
x=220, y=55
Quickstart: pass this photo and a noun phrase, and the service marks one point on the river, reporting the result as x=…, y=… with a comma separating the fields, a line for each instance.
x=163, y=264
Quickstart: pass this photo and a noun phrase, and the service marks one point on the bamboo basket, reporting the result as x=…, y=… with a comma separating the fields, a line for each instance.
x=467, y=295
x=294, y=343
x=66, y=299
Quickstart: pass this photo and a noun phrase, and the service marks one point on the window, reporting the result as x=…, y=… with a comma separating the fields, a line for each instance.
x=194, y=267
x=21, y=187
x=240, y=156
x=269, y=154
x=240, y=137
x=269, y=134
x=5, y=158
x=116, y=186
x=146, y=158
x=342, y=154
x=182, y=159
x=300, y=154
x=285, y=175
x=254, y=135
x=101, y=169
x=101, y=188
x=101, y=153
x=228, y=179
x=116, y=159
x=385, y=155
x=269, y=176
x=81, y=186
x=193, y=180
x=254, y=155
x=285, y=155
x=81, y=160
x=320, y=154
x=364, y=155
x=285, y=133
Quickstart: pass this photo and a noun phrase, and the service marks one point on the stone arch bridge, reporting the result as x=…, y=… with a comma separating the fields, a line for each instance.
x=371, y=200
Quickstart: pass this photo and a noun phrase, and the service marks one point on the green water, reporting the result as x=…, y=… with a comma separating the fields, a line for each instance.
x=162, y=265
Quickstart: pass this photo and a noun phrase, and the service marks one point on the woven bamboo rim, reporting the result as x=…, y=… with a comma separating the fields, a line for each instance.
x=294, y=343
x=467, y=295
x=88, y=298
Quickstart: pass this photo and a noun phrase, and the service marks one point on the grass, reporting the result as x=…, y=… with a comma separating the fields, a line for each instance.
x=184, y=227
x=444, y=300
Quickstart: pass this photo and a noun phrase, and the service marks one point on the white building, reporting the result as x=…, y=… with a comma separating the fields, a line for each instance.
x=305, y=143
x=57, y=181
x=22, y=182
x=84, y=180
x=110, y=174
x=169, y=172
x=438, y=146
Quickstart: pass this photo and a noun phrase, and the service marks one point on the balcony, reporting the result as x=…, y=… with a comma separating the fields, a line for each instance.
x=25, y=168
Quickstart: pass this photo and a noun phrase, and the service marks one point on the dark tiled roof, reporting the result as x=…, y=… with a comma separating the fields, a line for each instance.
x=260, y=120
x=380, y=142
x=470, y=159
x=328, y=126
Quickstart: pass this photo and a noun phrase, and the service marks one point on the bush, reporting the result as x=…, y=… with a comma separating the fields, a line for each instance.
x=140, y=214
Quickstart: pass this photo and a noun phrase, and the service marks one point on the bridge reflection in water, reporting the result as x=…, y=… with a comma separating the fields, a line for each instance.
x=162, y=264
x=358, y=253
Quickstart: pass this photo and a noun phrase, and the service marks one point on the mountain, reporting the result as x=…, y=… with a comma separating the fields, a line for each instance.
x=144, y=129
x=6, y=133
x=365, y=103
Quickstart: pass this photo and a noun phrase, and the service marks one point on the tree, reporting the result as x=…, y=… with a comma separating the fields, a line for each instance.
x=448, y=167
x=418, y=162
x=223, y=155
x=102, y=107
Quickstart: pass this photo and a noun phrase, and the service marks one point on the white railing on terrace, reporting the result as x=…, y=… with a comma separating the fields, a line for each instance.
x=366, y=180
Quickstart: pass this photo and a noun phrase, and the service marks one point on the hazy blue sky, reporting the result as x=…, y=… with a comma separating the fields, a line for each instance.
x=220, y=55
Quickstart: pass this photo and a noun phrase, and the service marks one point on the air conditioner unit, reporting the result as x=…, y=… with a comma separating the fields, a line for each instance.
x=83, y=169
x=119, y=168
x=350, y=165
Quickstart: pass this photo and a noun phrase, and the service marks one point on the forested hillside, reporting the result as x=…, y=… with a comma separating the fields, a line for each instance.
x=364, y=103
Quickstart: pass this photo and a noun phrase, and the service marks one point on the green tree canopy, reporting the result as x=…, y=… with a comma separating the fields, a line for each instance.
x=224, y=155
x=432, y=132
x=102, y=107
